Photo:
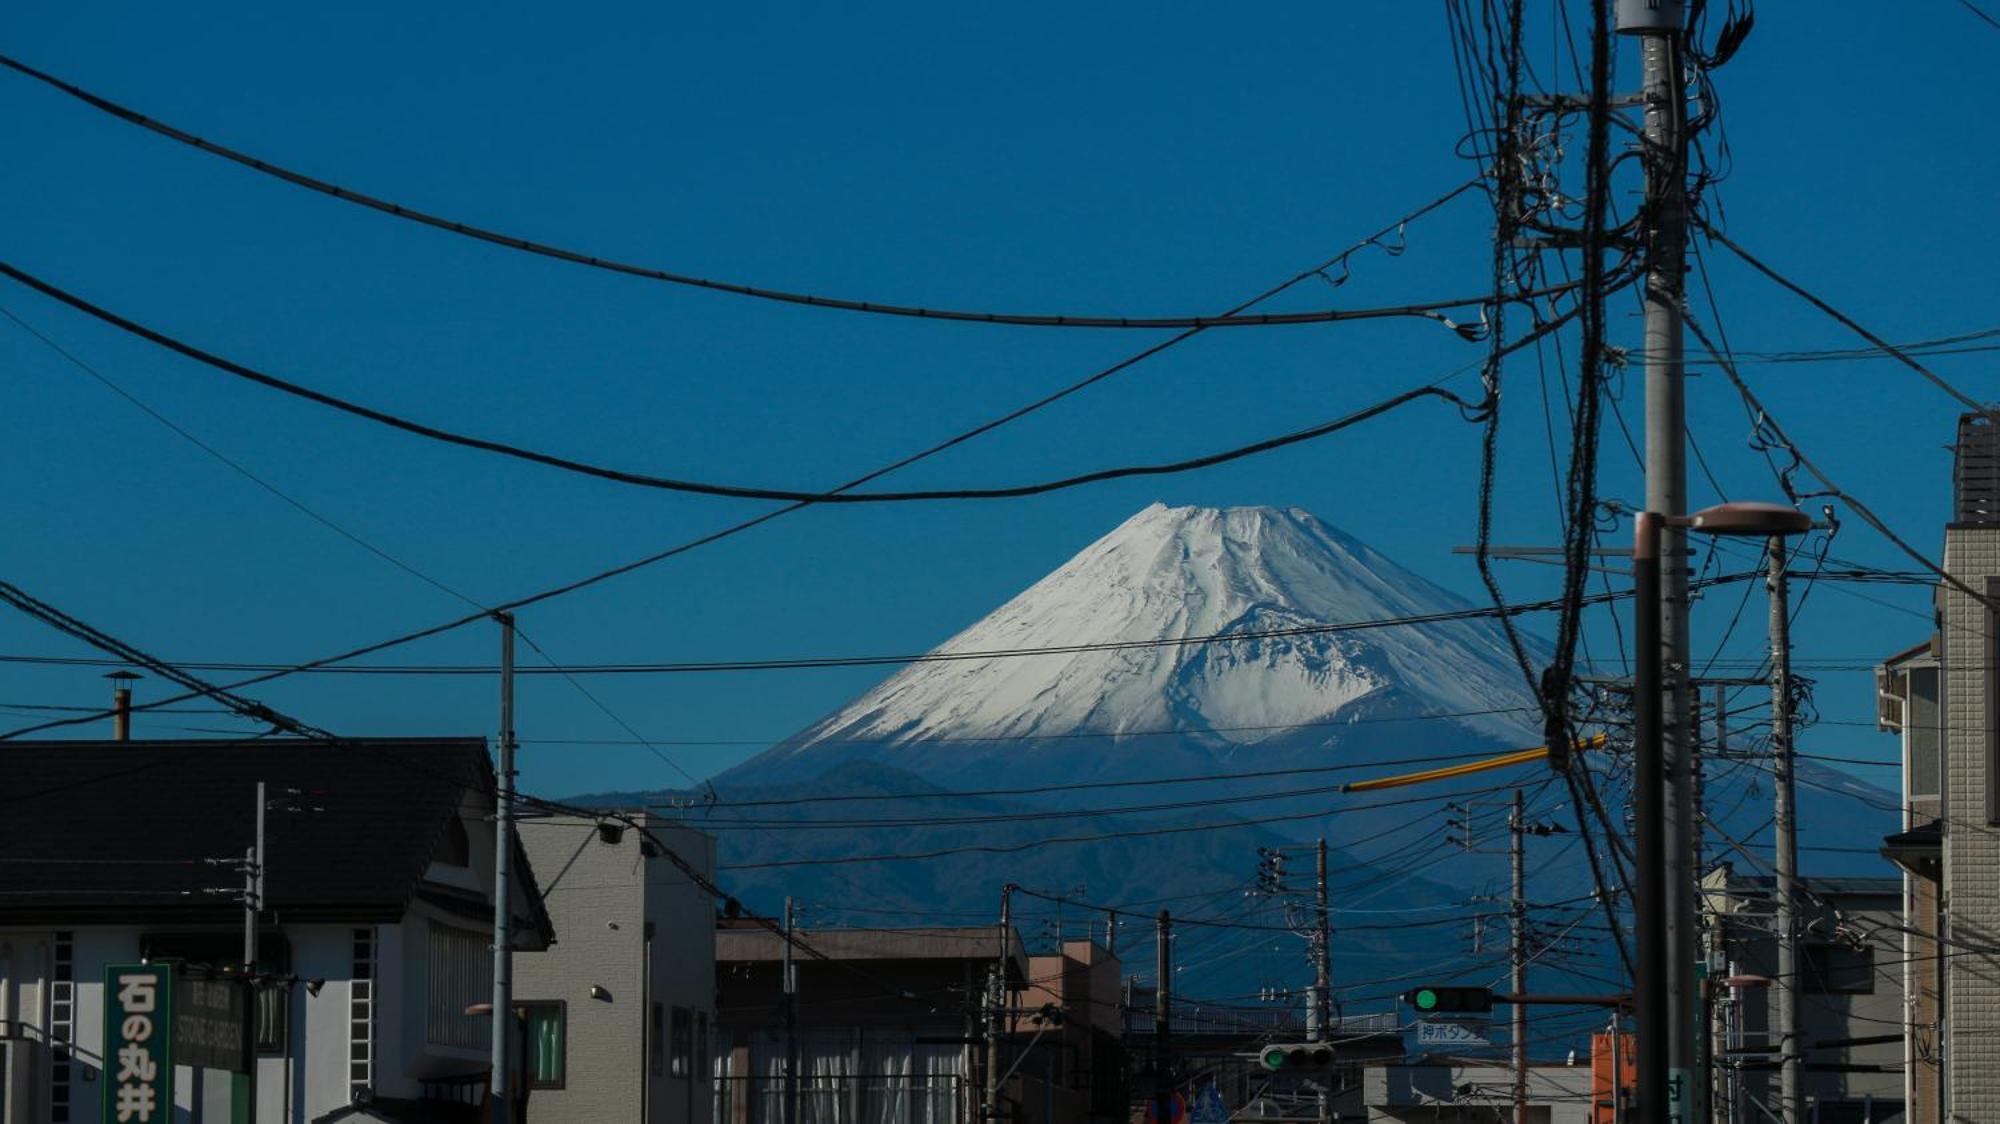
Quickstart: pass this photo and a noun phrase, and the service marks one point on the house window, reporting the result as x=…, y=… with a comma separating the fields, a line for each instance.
x=683, y=1042
x=545, y=1027
x=656, y=1040
x=1924, y=721
x=62, y=1025
x=461, y=974
x=361, y=1014
x=1837, y=969
x=273, y=1018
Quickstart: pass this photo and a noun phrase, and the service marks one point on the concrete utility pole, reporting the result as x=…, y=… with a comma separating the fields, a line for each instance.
x=253, y=905
x=1660, y=26
x=1786, y=827
x=1517, y=953
x=996, y=1013
x=1163, y=1013
x=500, y=1081
x=790, y=1001
x=1651, y=888
x=1321, y=1025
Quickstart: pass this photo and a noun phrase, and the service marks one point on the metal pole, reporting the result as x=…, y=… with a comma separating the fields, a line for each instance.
x=500, y=1092
x=1517, y=955
x=1666, y=495
x=1617, y=1070
x=1163, y=1013
x=791, y=1001
x=1787, y=983
x=1649, y=984
x=121, y=713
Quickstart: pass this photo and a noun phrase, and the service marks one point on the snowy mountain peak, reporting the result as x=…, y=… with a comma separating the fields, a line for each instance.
x=1271, y=576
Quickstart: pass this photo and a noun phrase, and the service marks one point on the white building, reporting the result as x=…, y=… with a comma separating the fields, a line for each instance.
x=375, y=937
x=622, y=1008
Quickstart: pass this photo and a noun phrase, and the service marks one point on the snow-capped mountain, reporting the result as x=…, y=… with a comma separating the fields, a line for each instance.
x=1107, y=693
x=1120, y=697
x=1161, y=577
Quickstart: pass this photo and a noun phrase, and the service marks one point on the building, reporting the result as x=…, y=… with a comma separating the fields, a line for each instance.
x=889, y=1029
x=1909, y=697
x=625, y=1000
x=1943, y=701
x=1071, y=1069
x=1850, y=995
x=374, y=940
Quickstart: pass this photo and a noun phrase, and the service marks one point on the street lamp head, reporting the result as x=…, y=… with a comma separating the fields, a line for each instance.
x=1751, y=518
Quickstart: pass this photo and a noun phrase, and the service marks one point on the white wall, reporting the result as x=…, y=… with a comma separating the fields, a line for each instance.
x=313, y=1077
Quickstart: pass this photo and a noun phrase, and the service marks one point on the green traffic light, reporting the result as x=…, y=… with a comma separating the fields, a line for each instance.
x=1427, y=1000
x=1274, y=1058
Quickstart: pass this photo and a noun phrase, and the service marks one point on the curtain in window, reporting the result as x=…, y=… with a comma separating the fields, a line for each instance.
x=545, y=1044
x=826, y=1077
x=885, y=1091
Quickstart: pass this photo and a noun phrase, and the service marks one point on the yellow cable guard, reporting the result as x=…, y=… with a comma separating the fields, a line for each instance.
x=1504, y=760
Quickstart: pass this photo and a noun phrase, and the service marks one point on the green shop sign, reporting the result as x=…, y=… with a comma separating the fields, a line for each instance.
x=139, y=1043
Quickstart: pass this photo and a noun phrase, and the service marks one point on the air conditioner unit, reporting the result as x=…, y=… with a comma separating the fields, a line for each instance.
x=20, y=1089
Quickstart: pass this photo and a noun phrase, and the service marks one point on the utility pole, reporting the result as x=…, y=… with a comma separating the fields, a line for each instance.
x=1517, y=954
x=996, y=998
x=500, y=1093
x=1660, y=26
x=1163, y=1013
x=1321, y=1026
x=1651, y=888
x=790, y=1002
x=1786, y=820
x=253, y=905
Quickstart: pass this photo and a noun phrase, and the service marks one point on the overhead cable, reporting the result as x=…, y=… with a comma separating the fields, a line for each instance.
x=704, y=488
x=333, y=666
x=1431, y=310
x=1845, y=321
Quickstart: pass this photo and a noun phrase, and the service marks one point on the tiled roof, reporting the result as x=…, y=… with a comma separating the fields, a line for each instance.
x=114, y=829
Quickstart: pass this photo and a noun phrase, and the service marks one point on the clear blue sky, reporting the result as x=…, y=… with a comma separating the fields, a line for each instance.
x=1156, y=159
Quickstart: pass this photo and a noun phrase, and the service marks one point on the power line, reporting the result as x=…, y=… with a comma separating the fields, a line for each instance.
x=1981, y=13
x=1432, y=310
x=1848, y=322
x=302, y=508
x=331, y=665
x=654, y=558
x=1032, y=844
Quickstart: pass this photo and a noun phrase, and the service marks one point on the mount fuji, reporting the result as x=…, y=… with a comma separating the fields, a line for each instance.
x=1301, y=672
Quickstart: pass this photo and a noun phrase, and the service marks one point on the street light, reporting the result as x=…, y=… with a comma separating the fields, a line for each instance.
x=1651, y=779
x=1750, y=518
x=1774, y=523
